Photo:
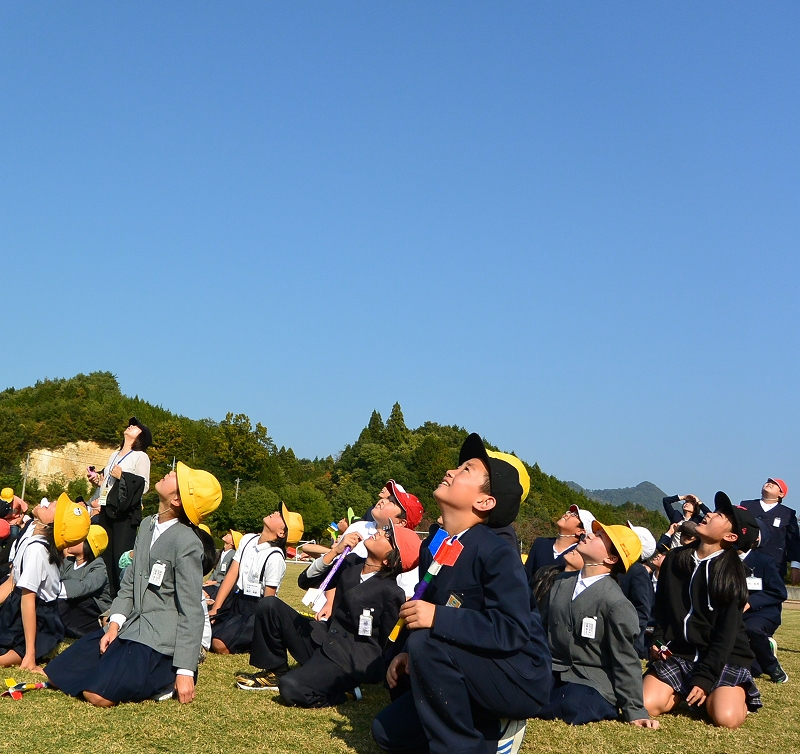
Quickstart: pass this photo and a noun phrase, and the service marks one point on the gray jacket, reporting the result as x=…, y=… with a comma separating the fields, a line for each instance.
x=88, y=581
x=168, y=618
x=222, y=567
x=608, y=662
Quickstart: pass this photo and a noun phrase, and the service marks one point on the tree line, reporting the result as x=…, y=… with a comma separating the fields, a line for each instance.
x=54, y=412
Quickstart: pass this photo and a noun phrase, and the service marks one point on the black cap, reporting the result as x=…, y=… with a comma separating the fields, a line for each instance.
x=744, y=523
x=146, y=437
x=509, y=486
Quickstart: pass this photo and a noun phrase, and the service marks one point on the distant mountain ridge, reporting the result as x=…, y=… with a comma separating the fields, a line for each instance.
x=645, y=494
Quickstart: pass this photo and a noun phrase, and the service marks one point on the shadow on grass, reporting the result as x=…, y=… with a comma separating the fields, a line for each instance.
x=355, y=730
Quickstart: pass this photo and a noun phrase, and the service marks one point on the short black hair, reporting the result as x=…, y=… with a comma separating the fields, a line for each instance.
x=88, y=553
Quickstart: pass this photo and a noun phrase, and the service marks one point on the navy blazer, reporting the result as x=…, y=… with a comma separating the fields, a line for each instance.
x=637, y=585
x=675, y=516
x=360, y=656
x=541, y=554
x=766, y=602
x=495, y=616
x=784, y=540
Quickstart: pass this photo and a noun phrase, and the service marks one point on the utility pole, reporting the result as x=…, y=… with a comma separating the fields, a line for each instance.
x=236, y=496
x=173, y=463
x=25, y=478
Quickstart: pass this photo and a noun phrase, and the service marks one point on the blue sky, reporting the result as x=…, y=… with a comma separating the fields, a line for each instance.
x=571, y=227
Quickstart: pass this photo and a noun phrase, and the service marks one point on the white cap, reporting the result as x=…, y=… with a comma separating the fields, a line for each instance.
x=584, y=515
x=646, y=538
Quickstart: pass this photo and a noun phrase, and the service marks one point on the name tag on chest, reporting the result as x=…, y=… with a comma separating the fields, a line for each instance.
x=157, y=573
x=776, y=523
x=223, y=567
x=365, y=624
x=754, y=584
x=589, y=628
x=252, y=588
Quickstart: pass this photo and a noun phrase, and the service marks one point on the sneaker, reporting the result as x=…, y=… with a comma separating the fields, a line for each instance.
x=261, y=680
x=355, y=695
x=773, y=645
x=511, y=736
x=778, y=675
x=168, y=692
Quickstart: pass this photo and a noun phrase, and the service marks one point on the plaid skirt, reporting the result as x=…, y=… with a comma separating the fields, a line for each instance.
x=677, y=672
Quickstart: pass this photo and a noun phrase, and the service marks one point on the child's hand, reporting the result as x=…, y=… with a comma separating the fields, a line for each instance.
x=109, y=636
x=645, y=722
x=325, y=612
x=350, y=540
x=418, y=614
x=184, y=688
x=696, y=696
x=397, y=667
x=29, y=663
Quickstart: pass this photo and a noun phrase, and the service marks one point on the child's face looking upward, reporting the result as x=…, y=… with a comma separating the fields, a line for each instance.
x=462, y=487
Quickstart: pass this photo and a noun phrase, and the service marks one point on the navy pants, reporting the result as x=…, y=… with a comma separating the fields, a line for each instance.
x=758, y=632
x=455, y=704
x=577, y=704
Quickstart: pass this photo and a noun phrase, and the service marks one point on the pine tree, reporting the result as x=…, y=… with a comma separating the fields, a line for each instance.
x=396, y=434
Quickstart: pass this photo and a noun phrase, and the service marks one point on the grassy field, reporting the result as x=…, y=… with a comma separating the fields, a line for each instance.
x=225, y=720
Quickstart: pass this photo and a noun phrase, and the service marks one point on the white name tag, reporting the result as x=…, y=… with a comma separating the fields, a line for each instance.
x=754, y=584
x=157, y=573
x=589, y=628
x=223, y=567
x=365, y=624
x=777, y=523
x=103, y=495
x=252, y=588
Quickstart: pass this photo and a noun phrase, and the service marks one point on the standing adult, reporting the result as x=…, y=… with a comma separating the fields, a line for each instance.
x=783, y=543
x=123, y=481
x=691, y=509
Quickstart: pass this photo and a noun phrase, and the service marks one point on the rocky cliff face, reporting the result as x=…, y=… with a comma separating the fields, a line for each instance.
x=67, y=462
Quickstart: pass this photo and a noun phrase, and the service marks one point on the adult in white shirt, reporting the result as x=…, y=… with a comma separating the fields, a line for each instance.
x=123, y=481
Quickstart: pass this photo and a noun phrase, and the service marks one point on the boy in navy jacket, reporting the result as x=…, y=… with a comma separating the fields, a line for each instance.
x=477, y=655
x=762, y=613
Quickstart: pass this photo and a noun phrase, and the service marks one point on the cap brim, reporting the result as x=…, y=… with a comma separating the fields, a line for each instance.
x=614, y=541
x=473, y=448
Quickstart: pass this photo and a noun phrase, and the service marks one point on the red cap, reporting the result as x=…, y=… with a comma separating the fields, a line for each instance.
x=408, y=502
x=408, y=543
x=5, y=529
x=784, y=487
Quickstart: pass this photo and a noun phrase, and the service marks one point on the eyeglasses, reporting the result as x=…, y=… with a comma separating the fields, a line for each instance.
x=569, y=514
x=389, y=532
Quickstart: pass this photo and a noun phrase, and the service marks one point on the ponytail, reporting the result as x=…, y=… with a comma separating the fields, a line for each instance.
x=54, y=555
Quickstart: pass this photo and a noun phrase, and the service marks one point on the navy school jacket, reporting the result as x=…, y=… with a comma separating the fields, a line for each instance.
x=361, y=656
x=766, y=602
x=541, y=554
x=783, y=543
x=496, y=616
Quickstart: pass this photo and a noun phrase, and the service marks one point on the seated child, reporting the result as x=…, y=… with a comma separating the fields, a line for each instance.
x=230, y=542
x=347, y=650
x=476, y=654
x=255, y=572
x=30, y=627
x=700, y=650
x=152, y=645
x=592, y=627
x=85, y=592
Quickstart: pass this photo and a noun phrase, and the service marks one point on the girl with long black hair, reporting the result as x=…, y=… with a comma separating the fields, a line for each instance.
x=700, y=650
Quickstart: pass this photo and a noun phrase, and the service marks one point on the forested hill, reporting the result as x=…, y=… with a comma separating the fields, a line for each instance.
x=644, y=493
x=91, y=407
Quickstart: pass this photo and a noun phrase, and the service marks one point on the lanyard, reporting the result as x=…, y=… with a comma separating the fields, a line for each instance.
x=112, y=464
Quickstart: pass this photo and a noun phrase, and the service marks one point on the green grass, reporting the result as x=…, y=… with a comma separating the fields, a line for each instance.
x=225, y=720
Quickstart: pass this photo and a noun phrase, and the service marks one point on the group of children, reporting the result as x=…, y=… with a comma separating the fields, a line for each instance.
x=470, y=641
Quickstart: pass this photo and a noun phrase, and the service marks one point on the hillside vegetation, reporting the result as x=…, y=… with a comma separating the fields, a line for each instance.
x=91, y=407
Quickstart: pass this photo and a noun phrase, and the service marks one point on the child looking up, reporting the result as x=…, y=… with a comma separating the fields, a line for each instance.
x=700, y=649
x=476, y=653
x=592, y=628
x=30, y=627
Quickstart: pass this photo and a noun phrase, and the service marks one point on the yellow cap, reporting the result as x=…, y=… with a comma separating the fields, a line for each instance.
x=625, y=541
x=97, y=539
x=294, y=525
x=7, y=494
x=236, y=536
x=200, y=492
x=70, y=523
x=205, y=529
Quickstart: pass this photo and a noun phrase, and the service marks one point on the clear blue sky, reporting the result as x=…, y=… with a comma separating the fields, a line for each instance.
x=571, y=227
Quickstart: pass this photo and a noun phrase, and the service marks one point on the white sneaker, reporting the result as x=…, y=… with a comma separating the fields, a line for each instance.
x=511, y=736
x=773, y=645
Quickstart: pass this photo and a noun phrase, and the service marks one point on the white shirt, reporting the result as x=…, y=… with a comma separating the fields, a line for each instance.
x=33, y=570
x=254, y=559
x=583, y=583
x=12, y=553
x=135, y=462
